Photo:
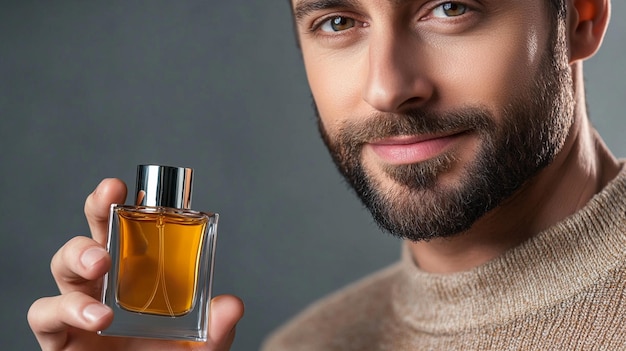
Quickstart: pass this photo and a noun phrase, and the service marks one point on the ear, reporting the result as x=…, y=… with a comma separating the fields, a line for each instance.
x=588, y=21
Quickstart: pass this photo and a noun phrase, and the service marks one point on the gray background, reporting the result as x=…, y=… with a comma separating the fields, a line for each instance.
x=90, y=89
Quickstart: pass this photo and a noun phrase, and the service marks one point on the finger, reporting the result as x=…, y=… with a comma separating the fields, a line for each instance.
x=226, y=311
x=98, y=203
x=79, y=266
x=51, y=318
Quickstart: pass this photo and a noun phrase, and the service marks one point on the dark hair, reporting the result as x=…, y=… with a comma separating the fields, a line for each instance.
x=558, y=9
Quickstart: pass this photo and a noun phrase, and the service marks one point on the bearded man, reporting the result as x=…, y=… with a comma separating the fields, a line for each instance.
x=462, y=127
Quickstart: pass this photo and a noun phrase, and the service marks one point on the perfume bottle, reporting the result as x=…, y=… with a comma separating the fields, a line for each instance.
x=163, y=253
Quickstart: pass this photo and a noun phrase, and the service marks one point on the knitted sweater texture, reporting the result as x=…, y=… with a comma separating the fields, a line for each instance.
x=564, y=289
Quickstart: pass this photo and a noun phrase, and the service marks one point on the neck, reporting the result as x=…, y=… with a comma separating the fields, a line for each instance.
x=581, y=169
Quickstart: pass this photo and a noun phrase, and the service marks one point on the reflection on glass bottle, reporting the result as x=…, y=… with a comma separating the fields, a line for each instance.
x=162, y=253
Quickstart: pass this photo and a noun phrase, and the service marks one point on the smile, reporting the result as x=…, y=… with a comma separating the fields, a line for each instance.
x=409, y=149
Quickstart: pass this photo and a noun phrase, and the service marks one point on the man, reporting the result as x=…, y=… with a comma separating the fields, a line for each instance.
x=461, y=125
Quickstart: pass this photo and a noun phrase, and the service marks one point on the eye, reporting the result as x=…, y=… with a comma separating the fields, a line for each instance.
x=450, y=9
x=337, y=24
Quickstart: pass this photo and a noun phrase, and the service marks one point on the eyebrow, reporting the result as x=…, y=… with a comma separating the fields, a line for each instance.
x=302, y=8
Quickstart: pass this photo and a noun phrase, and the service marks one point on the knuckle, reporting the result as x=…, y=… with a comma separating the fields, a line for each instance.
x=65, y=254
x=33, y=313
x=36, y=313
x=88, y=201
x=65, y=265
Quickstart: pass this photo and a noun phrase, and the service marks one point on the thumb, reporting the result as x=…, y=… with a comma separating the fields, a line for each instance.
x=225, y=312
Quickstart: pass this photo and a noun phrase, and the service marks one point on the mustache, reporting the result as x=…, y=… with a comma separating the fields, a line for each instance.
x=358, y=131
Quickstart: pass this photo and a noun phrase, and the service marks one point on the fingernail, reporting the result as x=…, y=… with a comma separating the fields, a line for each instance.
x=95, y=312
x=92, y=256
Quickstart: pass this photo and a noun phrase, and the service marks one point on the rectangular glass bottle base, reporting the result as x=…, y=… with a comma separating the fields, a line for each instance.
x=139, y=325
x=159, y=285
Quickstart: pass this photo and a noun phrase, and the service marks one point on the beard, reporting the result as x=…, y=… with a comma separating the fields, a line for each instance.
x=531, y=130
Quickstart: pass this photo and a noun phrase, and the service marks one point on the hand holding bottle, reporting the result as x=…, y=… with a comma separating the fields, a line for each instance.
x=70, y=321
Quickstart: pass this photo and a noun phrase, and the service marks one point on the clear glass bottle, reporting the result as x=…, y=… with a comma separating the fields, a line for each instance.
x=163, y=253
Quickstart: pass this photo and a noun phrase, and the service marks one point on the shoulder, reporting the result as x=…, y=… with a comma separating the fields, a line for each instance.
x=346, y=317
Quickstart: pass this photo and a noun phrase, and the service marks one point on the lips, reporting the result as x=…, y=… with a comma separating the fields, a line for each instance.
x=411, y=149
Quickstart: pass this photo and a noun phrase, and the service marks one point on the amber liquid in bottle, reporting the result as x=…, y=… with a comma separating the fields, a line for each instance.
x=159, y=260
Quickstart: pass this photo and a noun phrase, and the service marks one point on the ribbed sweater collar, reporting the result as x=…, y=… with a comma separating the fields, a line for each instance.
x=552, y=266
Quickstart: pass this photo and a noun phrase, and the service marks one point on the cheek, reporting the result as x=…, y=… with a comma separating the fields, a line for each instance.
x=493, y=69
x=335, y=83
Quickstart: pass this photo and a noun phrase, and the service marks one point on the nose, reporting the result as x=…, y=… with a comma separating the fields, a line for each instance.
x=395, y=73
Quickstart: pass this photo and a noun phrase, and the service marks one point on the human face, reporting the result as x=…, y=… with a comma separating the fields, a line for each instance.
x=436, y=112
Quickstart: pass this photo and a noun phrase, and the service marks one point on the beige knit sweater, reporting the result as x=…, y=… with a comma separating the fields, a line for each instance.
x=564, y=289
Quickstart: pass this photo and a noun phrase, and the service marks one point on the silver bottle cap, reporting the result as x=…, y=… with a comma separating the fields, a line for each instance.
x=163, y=186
